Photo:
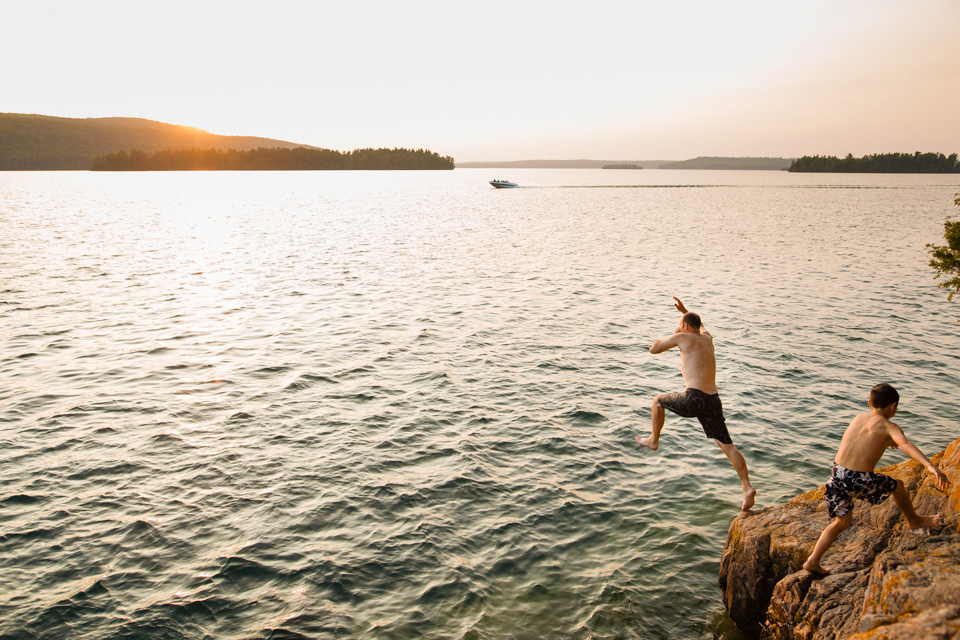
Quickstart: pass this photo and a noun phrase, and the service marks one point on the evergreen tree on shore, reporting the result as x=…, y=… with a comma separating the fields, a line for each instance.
x=946, y=259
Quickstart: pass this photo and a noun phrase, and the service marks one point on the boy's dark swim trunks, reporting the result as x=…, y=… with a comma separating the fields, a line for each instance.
x=846, y=484
x=704, y=407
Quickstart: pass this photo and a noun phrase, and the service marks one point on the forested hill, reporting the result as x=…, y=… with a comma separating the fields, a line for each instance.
x=33, y=142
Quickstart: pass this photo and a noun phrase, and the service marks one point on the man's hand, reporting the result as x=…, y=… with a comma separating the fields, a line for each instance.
x=679, y=305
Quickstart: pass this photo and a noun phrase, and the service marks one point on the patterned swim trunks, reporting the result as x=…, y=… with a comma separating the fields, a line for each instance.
x=704, y=407
x=846, y=484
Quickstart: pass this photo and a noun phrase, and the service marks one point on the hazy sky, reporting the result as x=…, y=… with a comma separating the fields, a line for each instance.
x=500, y=80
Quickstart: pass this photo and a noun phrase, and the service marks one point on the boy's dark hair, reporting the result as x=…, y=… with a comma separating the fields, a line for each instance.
x=691, y=319
x=883, y=395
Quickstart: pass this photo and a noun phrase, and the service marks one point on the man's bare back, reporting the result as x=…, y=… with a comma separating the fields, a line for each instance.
x=698, y=362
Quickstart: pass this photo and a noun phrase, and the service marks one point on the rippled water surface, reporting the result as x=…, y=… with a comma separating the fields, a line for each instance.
x=402, y=405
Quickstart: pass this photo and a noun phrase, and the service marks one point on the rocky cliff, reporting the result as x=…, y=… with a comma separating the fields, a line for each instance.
x=887, y=582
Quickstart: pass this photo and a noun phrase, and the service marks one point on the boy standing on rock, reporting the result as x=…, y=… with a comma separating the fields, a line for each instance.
x=853, y=477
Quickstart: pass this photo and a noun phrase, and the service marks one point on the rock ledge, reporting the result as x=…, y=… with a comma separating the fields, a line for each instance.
x=887, y=582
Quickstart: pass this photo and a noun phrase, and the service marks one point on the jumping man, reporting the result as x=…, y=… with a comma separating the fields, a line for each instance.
x=698, y=365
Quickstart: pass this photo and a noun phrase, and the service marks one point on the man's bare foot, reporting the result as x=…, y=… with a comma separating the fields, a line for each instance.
x=647, y=442
x=814, y=567
x=923, y=522
x=748, y=497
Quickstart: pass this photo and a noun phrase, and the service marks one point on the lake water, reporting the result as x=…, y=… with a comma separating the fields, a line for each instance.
x=402, y=404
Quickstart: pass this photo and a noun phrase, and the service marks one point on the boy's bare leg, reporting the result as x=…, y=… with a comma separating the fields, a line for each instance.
x=914, y=521
x=740, y=466
x=657, y=416
x=827, y=538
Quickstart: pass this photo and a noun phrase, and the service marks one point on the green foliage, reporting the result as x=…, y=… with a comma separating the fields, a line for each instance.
x=946, y=259
x=276, y=159
x=879, y=163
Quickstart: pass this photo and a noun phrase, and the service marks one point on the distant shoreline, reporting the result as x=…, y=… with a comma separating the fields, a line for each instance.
x=554, y=164
x=700, y=163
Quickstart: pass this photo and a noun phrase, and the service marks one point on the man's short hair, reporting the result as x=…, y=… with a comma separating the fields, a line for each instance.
x=691, y=319
x=883, y=395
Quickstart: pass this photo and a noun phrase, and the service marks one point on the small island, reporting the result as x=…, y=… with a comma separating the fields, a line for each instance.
x=273, y=159
x=879, y=163
x=626, y=165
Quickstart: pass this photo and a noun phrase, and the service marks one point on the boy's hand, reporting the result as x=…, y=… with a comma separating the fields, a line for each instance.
x=679, y=305
x=943, y=483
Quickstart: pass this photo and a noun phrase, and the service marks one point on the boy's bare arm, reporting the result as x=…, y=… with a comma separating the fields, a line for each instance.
x=900, y=439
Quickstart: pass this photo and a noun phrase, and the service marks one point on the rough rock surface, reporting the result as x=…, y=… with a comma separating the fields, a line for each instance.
x=887, y=582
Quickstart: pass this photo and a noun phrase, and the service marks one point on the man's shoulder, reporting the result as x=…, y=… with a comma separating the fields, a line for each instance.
x=683, y=339
x=699, y=339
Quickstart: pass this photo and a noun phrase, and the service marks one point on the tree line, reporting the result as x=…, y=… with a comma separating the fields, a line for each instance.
x=879, y=163
x=271, y=159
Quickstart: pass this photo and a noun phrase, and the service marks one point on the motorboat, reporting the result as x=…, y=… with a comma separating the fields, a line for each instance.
x=503, y=184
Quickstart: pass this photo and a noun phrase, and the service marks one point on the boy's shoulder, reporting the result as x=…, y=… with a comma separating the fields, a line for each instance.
x=877, y=426
x=861, y=419
x=868, y=426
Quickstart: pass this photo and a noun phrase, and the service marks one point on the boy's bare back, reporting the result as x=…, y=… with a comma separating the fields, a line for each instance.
x=865, y=440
